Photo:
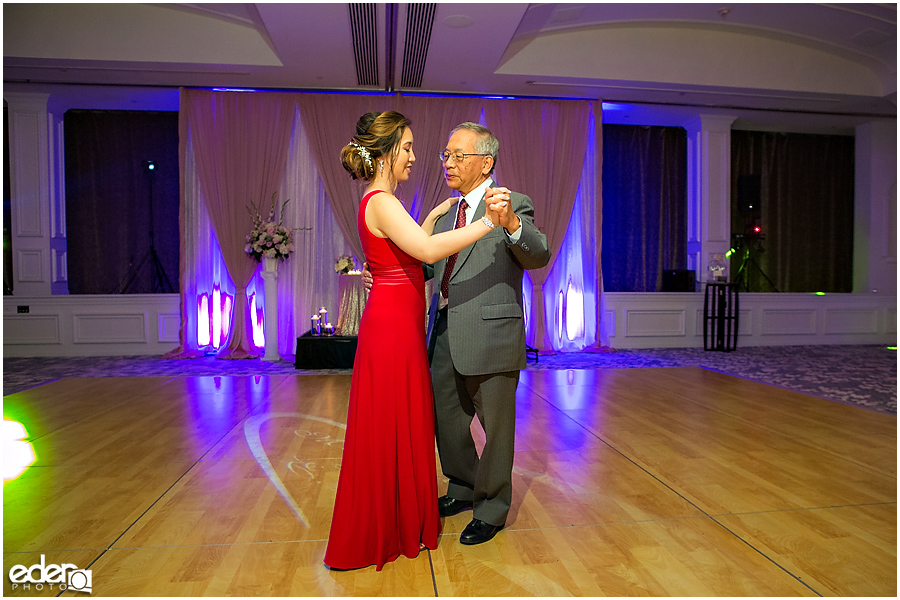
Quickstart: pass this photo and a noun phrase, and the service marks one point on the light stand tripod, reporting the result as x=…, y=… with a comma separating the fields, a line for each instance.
x=159, y=281
x=745, y=244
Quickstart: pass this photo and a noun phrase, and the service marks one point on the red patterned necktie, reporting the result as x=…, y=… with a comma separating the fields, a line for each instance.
x=451, y=260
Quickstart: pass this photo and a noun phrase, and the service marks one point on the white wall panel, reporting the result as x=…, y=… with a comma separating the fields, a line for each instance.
x=849, y=320
x=59, y=266
x=30, y=329
x=167, y=327
x=27, y=193
x=654, y=323
x=788, y=322
x=109, y=329
x=609, y=322
x=30, y=265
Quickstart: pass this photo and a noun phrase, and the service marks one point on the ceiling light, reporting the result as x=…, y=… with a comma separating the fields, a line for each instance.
x=459, y=21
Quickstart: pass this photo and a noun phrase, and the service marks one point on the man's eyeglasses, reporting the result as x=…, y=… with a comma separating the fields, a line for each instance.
x=457, y=157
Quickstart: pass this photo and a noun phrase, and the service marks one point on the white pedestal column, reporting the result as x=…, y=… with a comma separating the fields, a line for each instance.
x=30, y=154
x=270, y=277
x=709, y=191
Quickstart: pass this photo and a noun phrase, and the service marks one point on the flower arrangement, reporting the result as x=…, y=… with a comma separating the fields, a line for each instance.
x=269, y=238
x=345, y=264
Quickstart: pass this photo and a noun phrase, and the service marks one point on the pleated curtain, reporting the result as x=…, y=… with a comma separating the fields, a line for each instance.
x=241, y=147
x=543, y=144
x=240, y=143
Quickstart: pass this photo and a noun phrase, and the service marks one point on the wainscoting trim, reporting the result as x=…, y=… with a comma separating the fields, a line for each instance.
x=651, y=320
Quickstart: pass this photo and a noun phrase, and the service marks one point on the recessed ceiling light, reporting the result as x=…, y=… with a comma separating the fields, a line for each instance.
x=458, y=21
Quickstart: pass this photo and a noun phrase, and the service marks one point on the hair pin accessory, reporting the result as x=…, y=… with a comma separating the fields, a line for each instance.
x=364, y=152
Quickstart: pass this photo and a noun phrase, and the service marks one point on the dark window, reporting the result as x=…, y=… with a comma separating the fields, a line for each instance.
x=644, y=206
x=121, y=168
x=792, y=210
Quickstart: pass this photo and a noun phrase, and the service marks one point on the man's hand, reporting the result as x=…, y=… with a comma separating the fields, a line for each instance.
x=509, y=220
x=367, y=277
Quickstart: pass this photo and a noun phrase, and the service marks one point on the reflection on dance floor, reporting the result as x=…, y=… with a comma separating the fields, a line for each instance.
x=675, y=481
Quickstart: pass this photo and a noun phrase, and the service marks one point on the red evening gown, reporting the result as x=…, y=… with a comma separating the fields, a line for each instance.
x=386, y=502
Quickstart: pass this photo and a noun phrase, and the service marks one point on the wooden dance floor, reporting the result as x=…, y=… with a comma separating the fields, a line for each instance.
x=631, y=482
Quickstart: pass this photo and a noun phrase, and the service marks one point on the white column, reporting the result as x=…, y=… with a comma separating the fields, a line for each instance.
x=59, y=247
x=709, y=190
x=29, y=179
x=270, y=277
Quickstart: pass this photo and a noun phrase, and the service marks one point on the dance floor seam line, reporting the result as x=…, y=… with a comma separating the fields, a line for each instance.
x=766, y=556
x=75, y=422
x=679, y=494
x=217, y=544
x=800, y=509
x=610, y=445
x=431, y=569
x=38, y=551
x=175, y=483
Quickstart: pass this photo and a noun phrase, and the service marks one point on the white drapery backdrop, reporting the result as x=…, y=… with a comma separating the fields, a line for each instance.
x=573, y=286
x=306, y=281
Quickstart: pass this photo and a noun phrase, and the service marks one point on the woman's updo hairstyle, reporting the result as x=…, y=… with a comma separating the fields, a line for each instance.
x=377, y=136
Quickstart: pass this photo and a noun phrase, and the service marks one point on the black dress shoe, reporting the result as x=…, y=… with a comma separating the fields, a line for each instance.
x=447, y=506
x=478, y=532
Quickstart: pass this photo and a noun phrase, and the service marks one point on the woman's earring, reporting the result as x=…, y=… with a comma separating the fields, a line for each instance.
x=381, y=165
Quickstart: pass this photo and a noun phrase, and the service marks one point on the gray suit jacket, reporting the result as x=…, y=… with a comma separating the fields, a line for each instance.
x=485, y=319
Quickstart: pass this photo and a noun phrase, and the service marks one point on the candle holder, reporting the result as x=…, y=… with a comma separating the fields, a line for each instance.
x=329, y=329
x=323, y=316
x=315, y=327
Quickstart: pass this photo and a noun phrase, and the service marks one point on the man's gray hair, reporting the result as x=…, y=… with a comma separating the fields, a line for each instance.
x=486, y=143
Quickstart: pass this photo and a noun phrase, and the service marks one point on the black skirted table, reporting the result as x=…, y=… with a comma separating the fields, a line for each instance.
x=325, y=352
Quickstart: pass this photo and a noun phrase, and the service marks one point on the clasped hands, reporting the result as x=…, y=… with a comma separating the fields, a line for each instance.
x=497, y=203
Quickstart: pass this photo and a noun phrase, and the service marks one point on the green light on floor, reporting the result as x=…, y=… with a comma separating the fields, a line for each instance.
x=820, y=293
x=892, y=347
x=729, y=253
x=17, y=453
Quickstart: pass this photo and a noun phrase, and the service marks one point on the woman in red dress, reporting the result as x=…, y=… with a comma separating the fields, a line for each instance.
x=386, y=503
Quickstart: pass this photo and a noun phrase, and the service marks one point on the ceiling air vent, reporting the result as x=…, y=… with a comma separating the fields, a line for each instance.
x=365, y=44
x=419, y=22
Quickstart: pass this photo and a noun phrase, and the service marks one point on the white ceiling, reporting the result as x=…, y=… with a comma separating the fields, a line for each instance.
x=764, y=62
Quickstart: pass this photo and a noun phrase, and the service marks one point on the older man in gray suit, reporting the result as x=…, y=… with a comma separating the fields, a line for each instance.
x=477, y=341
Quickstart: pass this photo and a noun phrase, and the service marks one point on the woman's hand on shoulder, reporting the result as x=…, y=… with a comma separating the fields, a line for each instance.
x=442, y=209
x=437, y=212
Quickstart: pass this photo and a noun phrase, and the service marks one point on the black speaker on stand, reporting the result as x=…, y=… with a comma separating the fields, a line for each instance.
x=750, y=243
x=159, y=281
x=749, y=194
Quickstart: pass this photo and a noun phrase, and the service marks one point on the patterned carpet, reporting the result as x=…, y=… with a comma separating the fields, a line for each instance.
x=865, y=376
